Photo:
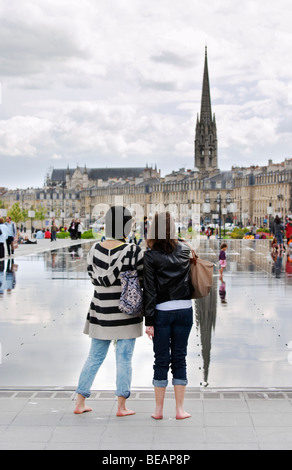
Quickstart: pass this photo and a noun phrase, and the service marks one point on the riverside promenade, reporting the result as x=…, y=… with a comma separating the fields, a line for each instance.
x=228, y=412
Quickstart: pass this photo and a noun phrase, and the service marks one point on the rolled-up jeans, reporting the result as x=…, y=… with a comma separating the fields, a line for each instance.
x=171, y=333
x=97, y=354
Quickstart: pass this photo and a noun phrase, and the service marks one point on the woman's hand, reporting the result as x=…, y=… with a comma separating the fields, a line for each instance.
x=150, y=331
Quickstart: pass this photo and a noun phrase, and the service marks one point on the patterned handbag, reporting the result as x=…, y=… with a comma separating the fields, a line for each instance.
x=131, y=299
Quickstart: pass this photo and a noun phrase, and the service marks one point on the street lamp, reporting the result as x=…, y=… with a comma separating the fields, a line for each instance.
x=206, y=208
x=224, y=213
x=31, y=215
x=219, y=203
x=280, y=209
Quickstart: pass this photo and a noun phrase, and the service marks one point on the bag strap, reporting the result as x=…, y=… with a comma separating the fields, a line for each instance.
x=194, y=258
x=135, y=256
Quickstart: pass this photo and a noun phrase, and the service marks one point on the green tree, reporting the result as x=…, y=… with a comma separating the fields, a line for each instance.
x=16, y=213
x=40, y=213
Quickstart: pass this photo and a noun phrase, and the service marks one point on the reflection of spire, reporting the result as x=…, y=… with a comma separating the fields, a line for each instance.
x=206, y=311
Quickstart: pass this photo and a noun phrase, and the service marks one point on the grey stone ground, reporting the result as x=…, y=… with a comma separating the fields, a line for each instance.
x=221, y=420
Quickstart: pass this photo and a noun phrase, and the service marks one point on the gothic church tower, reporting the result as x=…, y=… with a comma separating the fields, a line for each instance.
x=206, y=158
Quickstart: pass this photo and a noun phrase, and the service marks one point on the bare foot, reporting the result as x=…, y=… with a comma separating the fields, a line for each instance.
x=81, y=409
x=125, y=412
x=157, y=416
x=182, y=415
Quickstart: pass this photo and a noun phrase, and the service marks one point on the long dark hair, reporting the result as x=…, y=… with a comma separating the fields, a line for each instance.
x=161, y=236
x=118, y=222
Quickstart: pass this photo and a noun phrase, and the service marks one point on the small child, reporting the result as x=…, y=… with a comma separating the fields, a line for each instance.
x=222, y=259
x=274, y=244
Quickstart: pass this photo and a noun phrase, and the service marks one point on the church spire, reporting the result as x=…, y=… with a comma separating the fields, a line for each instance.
x=206, y=159
x=206, y=110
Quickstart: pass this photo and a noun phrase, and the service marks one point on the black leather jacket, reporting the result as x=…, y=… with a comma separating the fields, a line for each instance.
x=166, y=277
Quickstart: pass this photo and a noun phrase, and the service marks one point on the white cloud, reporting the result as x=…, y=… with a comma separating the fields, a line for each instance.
x=121, y=79
x=22, y=135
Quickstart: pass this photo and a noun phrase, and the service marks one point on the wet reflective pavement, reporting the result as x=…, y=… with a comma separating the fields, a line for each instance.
x=242, y=334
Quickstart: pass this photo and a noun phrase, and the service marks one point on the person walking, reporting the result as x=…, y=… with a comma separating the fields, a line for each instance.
x=73, y=229
x=53, y=231
x=80, y=229
x=132, y=234
x=279, y=232
x=168, y=309
x=254, y=230
x=11, y=234
x=3, y=237
x=143, y=229
x=105, y=322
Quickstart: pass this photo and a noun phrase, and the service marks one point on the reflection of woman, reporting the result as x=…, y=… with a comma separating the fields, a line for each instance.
x=168, y=309
x=105, y=322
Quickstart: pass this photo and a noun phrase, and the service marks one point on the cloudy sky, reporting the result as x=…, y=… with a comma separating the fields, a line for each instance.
x=118, y=83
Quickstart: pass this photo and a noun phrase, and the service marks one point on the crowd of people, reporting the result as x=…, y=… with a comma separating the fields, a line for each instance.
x=281, y=233
x=11, y=236
x=7, y=236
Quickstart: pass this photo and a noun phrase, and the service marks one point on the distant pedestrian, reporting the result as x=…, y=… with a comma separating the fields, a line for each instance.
x=222, y=259
x=80, y=229
x=11, y=232
x=132, y=235
x=289, y=229
x=279, y=232
x=254, y=230
x=3, y=237
x=143, y=230
x=53, y=231
x=73, y=229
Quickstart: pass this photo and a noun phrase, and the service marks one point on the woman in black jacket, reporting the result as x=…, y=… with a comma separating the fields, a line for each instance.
x=168, y=309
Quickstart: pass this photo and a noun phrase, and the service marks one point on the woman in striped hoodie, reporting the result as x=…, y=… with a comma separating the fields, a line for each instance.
x=105, y=322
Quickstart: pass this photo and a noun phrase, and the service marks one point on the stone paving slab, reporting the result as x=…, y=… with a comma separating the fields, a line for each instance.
x=221, y=420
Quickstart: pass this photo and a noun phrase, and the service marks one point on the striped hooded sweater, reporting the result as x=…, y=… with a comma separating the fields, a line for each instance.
x=104, y=319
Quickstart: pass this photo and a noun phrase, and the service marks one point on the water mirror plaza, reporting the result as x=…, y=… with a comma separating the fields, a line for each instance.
x=241, y=338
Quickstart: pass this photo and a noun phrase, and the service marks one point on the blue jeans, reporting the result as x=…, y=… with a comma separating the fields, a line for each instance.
x=97, y=354
x=171, y=333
